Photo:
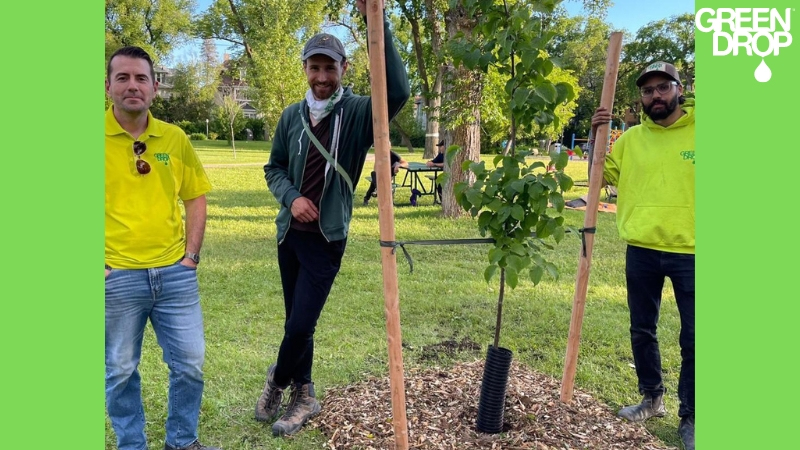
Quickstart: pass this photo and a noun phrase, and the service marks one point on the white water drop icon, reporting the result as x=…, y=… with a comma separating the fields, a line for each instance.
x=763, y=73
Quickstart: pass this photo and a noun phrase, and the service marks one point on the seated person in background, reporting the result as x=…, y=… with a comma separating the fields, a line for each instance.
x=438, y=161
x=396, y=162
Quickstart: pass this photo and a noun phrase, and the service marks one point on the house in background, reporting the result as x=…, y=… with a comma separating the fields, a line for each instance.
x=164, y=78
x=232, y=84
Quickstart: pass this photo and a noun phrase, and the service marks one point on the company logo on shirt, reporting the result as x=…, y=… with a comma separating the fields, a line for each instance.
x=162, y=157
x=753, y=29
x=687, y=155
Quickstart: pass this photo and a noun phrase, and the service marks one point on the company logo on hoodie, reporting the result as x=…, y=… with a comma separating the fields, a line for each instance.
x=687, y=155
x=755, y=30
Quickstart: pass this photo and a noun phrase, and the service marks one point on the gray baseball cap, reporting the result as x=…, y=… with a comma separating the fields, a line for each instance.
x=324, y=44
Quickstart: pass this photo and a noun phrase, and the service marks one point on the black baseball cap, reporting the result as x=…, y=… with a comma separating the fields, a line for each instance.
x=441, y=143
x=324, y=44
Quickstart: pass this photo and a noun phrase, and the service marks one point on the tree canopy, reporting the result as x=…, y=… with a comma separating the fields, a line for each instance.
x=158, y=26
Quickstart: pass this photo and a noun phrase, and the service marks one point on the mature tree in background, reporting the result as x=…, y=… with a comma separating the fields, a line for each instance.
x=158, y=26
x=192, y=97
x=461, y=113
x=670, y=40
x=426, y=20
x=270, y=35
x=211, y=66
x=580, y=44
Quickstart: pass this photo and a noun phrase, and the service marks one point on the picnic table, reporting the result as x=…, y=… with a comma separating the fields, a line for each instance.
x=413, y=179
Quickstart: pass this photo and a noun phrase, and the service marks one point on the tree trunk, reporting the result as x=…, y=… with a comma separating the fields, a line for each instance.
x=406, y=140
x=233, y=142
x=434, y=105
x=463, y=115
x=433, y=96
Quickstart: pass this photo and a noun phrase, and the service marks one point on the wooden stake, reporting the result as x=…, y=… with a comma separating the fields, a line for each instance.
x=380, y=123
x=590, y=219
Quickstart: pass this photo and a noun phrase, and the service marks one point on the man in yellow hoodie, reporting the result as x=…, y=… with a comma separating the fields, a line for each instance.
x=653, y=168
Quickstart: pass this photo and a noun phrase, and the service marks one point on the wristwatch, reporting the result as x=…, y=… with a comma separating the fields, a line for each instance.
x=193, y=256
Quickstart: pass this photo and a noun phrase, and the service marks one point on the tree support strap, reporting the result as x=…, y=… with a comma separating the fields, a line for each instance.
x=583, y=232
x=394, y=244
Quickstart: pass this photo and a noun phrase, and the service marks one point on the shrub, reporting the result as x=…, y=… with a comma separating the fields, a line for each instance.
x=197, y=137
x=186, y=126
x=213, y=135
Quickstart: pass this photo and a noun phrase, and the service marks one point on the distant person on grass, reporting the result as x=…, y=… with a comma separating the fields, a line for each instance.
x=652, y=166
x=395, y=163
x=150, y=262
x=313, y=187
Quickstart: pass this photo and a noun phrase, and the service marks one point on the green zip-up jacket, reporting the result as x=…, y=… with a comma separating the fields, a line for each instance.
x=653, y=169
x=351, y=138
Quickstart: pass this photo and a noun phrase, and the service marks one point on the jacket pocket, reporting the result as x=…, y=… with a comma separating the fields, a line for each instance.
x=665, y=226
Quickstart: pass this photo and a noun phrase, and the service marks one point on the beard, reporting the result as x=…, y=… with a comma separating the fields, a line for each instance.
x=668, y=107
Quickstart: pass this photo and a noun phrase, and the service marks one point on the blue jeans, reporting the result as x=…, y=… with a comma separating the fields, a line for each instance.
x=169, y=297
x=308, y=265
x=645, y=271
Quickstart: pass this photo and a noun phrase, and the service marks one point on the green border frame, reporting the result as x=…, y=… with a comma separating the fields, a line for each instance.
x=52, y=238
x=746, y=309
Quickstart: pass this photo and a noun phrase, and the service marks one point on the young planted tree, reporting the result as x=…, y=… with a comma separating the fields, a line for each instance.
x=231, y=116
x=511, y=201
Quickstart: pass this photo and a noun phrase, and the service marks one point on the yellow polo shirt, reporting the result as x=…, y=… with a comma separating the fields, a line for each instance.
x=144, y=226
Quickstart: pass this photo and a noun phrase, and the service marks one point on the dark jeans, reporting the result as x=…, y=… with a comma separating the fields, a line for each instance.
x=645, y=271
x=308, y=265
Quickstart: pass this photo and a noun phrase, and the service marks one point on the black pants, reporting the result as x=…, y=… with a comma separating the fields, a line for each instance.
x=372, y=187
x=308, y=265
x=645, y=271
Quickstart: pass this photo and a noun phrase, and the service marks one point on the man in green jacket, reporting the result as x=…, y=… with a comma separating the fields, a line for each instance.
x=319, y=147
x=652, y=166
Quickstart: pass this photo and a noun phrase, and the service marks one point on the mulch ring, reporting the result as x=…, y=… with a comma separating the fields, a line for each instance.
x=441, y=406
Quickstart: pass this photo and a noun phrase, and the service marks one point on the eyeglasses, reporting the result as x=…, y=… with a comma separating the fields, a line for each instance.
x=662, y=88
x=141, y=165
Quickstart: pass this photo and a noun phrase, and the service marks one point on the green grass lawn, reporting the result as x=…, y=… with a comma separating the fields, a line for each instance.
x=445, y=298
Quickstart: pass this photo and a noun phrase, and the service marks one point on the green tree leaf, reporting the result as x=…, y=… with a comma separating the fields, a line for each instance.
x=489, y=272
x=547, y=92
x=535, y=274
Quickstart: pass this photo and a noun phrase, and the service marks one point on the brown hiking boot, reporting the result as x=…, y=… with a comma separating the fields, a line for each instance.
x=650, y=407
x=302, y=406
x=269, y=404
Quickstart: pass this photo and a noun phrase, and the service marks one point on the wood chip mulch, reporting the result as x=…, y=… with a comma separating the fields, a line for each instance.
x=442, y=405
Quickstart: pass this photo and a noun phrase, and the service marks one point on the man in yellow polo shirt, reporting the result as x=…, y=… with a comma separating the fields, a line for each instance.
x=150, y=262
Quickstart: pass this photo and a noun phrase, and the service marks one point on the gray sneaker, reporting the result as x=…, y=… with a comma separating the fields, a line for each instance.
x=650, y=407
x=269, y=404
x=196, y=445
x=302, y=406
x=686, y=430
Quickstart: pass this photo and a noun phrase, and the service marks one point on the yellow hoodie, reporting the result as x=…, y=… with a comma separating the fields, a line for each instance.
x=653, y=169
